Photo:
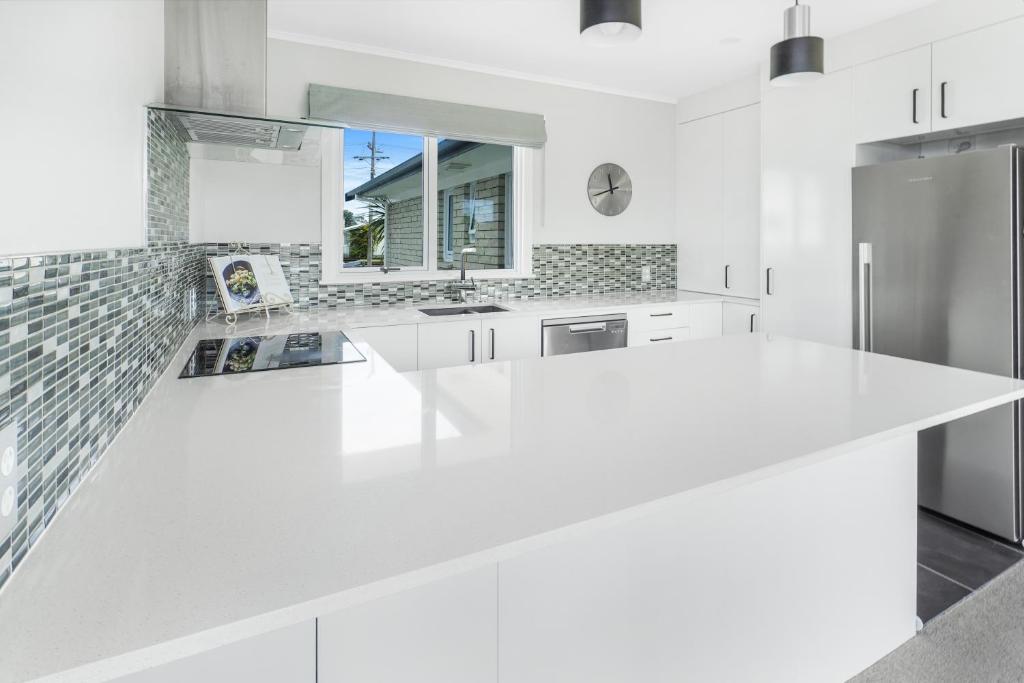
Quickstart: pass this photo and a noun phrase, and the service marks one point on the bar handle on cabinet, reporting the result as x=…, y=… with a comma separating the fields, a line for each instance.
x=752, y=322
x=492, y=343
x=865, y=312
x=472, y=346
x=727, y=276
x=913, y=105
x=769, y=281
x=942, y=99
x=660, y=339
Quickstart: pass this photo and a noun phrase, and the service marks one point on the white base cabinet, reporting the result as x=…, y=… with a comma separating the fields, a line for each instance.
x=510, y=338
x=705, y=320
x=443, y=345
x=464, y=342
x=288, y=654
x=443, y=632
x=740, y=318
x=396, y=343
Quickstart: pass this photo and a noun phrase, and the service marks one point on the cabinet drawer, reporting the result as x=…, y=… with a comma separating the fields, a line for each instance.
x=648, y=337
x=667, y=317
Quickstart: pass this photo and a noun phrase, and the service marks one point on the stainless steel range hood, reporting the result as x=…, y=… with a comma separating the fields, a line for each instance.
x=215, y=62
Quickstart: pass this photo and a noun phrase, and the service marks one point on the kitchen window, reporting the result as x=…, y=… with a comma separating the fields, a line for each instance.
x=387, y=231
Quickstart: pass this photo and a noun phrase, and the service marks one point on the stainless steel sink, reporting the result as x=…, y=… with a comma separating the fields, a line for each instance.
x=463, y=310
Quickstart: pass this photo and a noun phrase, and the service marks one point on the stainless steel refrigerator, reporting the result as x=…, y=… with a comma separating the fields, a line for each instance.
x=937, y=278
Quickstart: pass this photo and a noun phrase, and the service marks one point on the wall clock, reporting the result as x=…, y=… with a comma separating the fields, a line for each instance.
x=609, y=189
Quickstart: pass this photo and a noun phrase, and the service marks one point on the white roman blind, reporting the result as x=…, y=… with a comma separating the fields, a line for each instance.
x=399, y=114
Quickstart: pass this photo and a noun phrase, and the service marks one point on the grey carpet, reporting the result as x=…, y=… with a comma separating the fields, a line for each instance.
x=979, y=639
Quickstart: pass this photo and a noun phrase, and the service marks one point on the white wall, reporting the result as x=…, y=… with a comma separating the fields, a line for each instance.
x=74, y=78
x=742, y=92
x=235, y=201
x=584, y=129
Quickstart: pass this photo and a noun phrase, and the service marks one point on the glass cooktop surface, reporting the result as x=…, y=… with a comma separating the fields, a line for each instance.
x=236, y=355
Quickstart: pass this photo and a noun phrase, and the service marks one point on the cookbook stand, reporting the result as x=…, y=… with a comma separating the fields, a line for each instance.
x=268, y=302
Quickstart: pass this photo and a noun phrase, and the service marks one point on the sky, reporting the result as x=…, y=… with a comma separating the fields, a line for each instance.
x=396, y=147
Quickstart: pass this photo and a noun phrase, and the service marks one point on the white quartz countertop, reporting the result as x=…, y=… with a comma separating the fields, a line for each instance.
x=229, y=506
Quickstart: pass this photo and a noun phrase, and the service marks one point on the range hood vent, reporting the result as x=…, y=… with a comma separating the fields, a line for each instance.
x=219, y=129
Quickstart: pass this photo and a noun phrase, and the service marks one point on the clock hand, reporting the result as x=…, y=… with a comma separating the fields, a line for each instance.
x=606, y=191
x=610, y=188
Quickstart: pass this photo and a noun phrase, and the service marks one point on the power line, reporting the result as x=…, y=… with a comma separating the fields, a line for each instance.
x=373, y=157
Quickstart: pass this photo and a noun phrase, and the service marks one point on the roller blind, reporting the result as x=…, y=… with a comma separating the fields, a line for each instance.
x=398, y=114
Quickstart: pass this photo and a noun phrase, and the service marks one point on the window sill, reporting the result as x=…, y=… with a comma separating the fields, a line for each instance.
x=364, y=277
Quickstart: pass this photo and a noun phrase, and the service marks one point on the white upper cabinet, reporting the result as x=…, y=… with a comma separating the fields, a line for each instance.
x=892, y=96
x=718, y=202
x=510, y=338
x=975, y=77
x=699, y=204
x=742, y=200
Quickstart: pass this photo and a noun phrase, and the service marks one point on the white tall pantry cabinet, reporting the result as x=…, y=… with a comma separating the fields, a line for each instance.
x=718, y=202
x=806, y=210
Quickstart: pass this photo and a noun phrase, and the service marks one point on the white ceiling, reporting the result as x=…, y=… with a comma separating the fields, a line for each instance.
x=687, y=45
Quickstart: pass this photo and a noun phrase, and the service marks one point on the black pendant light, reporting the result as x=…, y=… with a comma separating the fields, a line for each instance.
x=610, y=21
x=800, y=57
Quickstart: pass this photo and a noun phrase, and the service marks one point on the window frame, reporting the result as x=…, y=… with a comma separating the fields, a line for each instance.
x=523, y=205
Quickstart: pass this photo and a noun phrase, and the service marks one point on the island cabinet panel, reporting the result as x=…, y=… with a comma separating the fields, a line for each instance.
x=396, y=343
x=510, y=338
x=287, y=654
x=975, y=77
x=740, y=318
x=785, y=578
x=442, y=632
x=443, y=345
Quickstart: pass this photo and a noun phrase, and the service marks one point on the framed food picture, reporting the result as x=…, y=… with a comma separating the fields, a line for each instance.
x=250, y=281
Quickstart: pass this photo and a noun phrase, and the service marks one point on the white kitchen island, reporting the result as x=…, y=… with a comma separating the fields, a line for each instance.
x=739, y=508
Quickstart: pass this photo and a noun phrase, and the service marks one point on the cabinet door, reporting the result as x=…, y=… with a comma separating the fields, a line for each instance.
x=740, y=318
x=446, y=344
x=510, y=338
x=443, y=632
x=807, y=215
x=892, y=96
x=741, y=152
x=699, y=206
x=975, y=77
x=395, y=343
x=705, y=320
x=287, y=654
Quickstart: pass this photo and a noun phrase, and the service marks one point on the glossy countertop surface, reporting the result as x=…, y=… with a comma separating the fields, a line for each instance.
x=229, y=506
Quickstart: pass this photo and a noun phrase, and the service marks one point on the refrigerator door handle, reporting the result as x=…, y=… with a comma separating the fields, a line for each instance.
x=865, y=296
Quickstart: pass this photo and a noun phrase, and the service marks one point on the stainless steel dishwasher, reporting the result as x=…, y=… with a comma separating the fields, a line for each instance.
x=586, y=333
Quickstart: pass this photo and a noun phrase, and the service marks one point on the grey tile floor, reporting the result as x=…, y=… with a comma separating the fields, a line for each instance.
x=953, y=561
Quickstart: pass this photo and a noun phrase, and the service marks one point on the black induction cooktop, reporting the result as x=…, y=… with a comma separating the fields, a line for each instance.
x=237, y=355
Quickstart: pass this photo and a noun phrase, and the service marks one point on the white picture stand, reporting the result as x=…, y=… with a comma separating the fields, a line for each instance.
x=268, y=301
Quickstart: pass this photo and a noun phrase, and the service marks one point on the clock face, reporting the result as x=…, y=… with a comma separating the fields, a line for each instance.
x=609, y=189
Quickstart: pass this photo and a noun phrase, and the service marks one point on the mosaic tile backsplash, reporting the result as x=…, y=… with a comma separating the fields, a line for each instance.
x=559, y=270
x=83, y=336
